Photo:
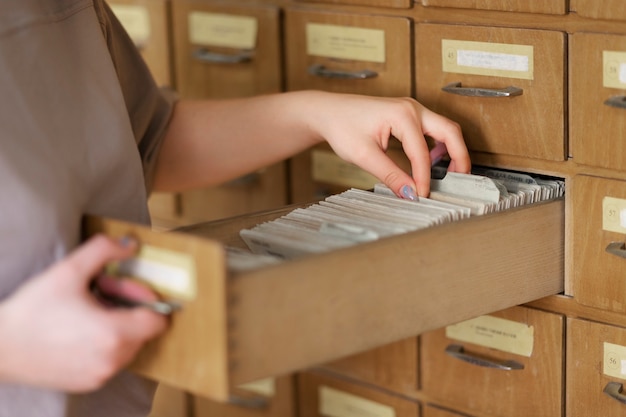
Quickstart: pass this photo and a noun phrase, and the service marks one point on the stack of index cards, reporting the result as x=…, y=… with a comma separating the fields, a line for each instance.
x=355, y=216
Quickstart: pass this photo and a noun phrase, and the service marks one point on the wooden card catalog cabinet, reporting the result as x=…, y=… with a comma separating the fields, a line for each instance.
x=506, y=87
x=505, y=364
x=532, y=6
x=404, y=4
x=595, y=372
x=348, y=53
x=226, y=50
x=598, y=99
x=597, y=245
x=605, y=9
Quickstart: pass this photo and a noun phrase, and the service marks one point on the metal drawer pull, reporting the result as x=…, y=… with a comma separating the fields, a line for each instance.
x=321, y=71
x=456, y=88
x=204, y=55
x=458, y=352
x=616, y=101
x=614, y=390
x=617, y=249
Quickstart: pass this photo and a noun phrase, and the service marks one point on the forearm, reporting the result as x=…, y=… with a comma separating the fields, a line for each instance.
x=212, y=141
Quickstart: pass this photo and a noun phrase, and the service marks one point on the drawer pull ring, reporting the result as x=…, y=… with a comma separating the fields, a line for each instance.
x=617, y=249
x=614, y=390
x=204, y=55
x=252, y=402
x=458, y=352
x=322, y=71
x=617, y=101
x=456, y=88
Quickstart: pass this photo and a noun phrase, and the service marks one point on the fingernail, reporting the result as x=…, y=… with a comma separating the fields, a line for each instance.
x=127, y=241
x=408, y=192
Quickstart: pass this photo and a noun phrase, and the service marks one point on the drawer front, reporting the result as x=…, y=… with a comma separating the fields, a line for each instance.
x=468, y=364
x=598, y=99
x=392, y=367
x=324, y=396
x=474, y=63
x=598, y=213
x=146, y=21
x=537, y=6
x=595, y=358
x=435, y=411
x=348, y=53
x=224, y=50
x=403, y=4
x=606, y=9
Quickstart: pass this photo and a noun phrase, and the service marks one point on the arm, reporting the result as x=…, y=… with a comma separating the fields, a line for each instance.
x=209, y=142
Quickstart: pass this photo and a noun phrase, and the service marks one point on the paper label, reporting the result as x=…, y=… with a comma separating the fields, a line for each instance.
x=216, y=29
x=329, y=168
x=489, y=59
x=614, y=361
x=136, y=21
x=345, y=42
x=496, y=333
x=265, y=387
x=614, y=214
x=170, y=273
x=614, y=64
x=335, y=403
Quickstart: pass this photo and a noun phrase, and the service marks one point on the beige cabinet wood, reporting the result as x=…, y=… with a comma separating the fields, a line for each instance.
x=241, y=327
x=348, y=53
x=598, y=100
x=506, y=87
x=436, y=411
x=376, y=3
x=322, y=395
x=606, y=9
x=595, y=378
x=598, y=270
x=170, y=402
x=510, y=367
x=392, y=367
x=537, y=6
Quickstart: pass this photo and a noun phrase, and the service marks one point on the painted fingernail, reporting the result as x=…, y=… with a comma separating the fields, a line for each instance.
x=127, y=241
x=408, y=192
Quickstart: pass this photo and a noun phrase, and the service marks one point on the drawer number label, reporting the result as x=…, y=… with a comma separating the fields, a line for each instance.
x=335, y=403
x=614, y=64
x=224, y=30
x=614, y=215
x=614, y=360
x=342, y=42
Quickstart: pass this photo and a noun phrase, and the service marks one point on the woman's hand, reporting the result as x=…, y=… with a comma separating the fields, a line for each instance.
x=54, y=333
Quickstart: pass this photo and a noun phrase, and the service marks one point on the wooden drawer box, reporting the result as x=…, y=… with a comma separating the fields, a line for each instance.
x=598, y=99
x=322, y=395
x=482, y=69
x=536, y=6
x=605, y=9
x=392, y=367
x=598, y=210
x=595, y=357
x=514, y=356
x=348, y=53
x=403, y=4
x=271, y=321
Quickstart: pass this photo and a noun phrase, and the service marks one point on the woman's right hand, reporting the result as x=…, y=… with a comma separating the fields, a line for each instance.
x=54, y=333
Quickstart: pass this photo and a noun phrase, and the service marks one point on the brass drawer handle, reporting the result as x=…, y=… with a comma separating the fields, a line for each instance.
x=321, y=71
x=617, y=249
x=616, y=101
x=614, y=390
x=204, y=55
x=458, y=352
x=456, y=88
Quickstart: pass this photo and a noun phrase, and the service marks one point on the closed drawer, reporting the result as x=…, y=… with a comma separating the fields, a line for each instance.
x=537, y=6
x=225, y=50
x=351, y=53
x=404, y=4
x=245, y=326
x=606, y=9
x=598, y=209
x=436, y=411
x=598, y=99
x=595, y=374
x=321, y=395
x=392, y=367
x=506, y=364
x=482, y=69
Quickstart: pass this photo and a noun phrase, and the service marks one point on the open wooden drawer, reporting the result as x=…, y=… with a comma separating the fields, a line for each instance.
x=286, y=317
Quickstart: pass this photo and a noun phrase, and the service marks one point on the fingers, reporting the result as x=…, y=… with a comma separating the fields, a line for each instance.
x=448, y=132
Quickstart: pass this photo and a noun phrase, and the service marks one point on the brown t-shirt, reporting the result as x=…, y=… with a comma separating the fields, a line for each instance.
x=81, y=123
